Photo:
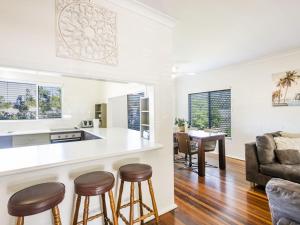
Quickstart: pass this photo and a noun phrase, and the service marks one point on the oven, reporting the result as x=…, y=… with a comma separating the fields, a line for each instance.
x=66, y=137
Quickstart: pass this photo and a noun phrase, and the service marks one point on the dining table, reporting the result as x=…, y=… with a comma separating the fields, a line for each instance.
x=201, y=137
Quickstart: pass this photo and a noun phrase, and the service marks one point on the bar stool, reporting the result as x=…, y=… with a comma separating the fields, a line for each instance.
x=94, y=184
x=136, y=173
x=37, y=199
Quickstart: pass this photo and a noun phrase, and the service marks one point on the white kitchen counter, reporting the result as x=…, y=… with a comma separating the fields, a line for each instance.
x=42, y=131
x=114, y=142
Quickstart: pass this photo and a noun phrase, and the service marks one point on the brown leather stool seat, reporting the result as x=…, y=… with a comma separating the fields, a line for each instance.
x=136, y=172
x=36, y=199
x=94, y=183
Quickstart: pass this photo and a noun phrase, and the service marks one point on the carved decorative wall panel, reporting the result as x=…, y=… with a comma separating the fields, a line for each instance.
x=86, y=32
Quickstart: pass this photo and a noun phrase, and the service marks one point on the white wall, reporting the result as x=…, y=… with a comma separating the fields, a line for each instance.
x=114, y=89
x=145, y=44
x=251, y=85
x=77, y=103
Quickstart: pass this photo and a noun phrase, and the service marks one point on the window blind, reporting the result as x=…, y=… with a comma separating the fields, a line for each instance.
x=17, y=101
x=20, y=101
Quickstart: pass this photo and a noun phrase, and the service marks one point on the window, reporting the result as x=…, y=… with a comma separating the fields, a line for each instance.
x=211, y=110
x=133, y=105
x=20, y=101
x=49, y=102
x=17, y=101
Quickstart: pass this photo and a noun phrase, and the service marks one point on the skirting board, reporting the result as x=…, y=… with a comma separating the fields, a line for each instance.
x=163, y=211
x=168, y=209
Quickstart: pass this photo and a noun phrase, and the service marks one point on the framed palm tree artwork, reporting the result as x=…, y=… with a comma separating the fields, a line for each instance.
x=286, y=88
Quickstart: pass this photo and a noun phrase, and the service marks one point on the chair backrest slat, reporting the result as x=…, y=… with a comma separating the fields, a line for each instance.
x=183, y=140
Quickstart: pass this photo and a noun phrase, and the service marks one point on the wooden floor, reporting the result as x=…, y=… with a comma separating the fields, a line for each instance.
x=219, y=198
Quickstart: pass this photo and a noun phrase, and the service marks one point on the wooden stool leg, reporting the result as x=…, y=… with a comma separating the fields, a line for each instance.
x=56, y=216
x=120, y=198
x=75, y=218
x=112, y=206
x=20, y=221
x=104, y=209
x=153, y=201
x=131, y=217
x=86, y=210
x=141, y=201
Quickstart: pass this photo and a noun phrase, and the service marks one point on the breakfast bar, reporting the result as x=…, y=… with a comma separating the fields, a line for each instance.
x=63, y=162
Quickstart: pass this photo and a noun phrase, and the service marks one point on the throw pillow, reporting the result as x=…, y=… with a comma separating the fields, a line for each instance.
x=290, y=135
x=275, y=134
x=265, y=148
x=288, y=150
x=283, y=143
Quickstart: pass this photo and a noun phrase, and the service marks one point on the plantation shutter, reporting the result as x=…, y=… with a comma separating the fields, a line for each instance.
x=133, y=107
x=211, y=110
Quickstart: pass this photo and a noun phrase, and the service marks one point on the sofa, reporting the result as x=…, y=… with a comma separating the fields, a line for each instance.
x=262, y=163
x=284, y=201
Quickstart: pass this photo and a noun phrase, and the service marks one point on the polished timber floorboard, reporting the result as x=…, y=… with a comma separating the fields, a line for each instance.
x=219, y=198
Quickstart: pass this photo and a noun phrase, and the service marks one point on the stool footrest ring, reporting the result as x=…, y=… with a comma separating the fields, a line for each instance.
x=95, y=217
x=151, y=212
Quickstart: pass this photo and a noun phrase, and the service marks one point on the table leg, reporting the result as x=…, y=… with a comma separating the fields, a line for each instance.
x=201, y=158
x=222, y=158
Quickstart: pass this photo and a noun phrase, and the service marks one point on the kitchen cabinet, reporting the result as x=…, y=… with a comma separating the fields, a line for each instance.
x=30, y=140
x=117, y=112
x=6, y=142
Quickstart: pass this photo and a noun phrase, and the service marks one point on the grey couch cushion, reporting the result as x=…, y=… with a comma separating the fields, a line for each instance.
x=287, y=172
x=289, y=157
x=265, y=148
x=284, y=221
x=284, y=201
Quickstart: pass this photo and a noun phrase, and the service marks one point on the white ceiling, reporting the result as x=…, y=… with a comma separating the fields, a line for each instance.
x=214, y=33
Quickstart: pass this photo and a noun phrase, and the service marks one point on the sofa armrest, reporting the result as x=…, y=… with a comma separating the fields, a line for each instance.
x=284, y=200
x=252, y=164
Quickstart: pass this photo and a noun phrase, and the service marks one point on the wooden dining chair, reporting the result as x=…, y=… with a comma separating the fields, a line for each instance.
x=190, y=148
x=185, y=146
x=210, y=146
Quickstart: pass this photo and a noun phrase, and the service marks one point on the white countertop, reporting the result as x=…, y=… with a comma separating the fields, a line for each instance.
x=114, y=142
x=42, y=131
